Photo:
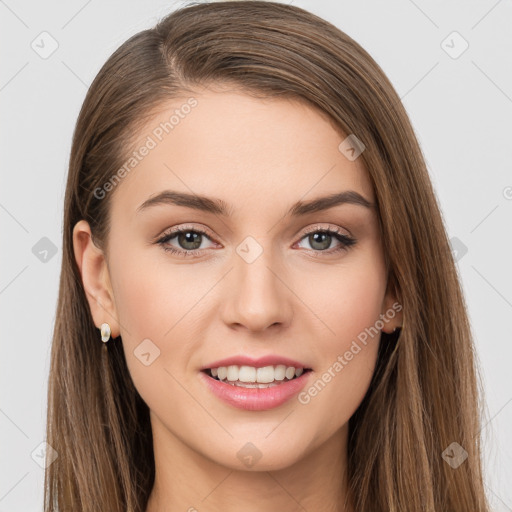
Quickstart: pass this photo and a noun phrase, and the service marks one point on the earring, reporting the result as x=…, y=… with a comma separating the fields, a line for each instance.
x=105, y=332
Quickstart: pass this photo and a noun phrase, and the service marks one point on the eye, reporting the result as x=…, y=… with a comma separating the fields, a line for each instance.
x=189, y=241
x=321, y=239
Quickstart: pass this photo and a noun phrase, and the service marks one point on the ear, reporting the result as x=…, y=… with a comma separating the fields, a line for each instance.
x=95, y=278
x=393, y=307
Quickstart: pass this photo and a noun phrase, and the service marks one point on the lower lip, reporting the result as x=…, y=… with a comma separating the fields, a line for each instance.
x=255, y=399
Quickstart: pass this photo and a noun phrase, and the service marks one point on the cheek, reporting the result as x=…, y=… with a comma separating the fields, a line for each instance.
x=357, y=304
x=137, y=298
x=348, y=350
x=151, y=294
x=347, y=298
x=157, y=305
x=148, y=306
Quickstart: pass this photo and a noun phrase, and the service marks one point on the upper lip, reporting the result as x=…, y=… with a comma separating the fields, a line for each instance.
x=268, y=360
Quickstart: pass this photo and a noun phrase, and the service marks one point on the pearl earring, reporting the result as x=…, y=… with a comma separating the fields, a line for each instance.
x=105, y=332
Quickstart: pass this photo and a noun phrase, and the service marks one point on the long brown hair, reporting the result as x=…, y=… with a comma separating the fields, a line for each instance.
x=425, y=393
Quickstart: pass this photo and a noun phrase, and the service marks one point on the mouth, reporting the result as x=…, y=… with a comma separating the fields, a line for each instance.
x=252, y=377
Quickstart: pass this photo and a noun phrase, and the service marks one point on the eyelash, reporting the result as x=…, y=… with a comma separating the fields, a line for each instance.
x=345, y=241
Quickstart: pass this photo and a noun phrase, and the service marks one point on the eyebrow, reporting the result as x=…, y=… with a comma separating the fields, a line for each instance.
x=220, y=207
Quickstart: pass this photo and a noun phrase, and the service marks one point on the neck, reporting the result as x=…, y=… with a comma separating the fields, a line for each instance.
x=187, y=480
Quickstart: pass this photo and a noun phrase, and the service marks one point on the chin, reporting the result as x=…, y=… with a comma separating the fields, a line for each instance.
x=255, y=453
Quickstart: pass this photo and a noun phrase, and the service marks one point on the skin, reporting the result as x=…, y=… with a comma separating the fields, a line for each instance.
x=249, y=152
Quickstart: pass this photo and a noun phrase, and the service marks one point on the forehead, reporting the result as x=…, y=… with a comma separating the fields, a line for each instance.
x=248, y=151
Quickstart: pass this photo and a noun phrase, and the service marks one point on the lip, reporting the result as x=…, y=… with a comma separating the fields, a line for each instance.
x=255, y=399
x=268, y=360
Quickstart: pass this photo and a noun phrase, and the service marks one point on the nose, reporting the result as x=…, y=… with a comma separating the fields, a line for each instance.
x=257, y=294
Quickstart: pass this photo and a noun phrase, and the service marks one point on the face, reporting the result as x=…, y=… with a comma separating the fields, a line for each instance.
x=248, y=274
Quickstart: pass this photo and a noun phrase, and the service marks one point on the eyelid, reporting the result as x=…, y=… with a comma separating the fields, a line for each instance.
x=332, y=228
x=184, y=227
x=203, y=229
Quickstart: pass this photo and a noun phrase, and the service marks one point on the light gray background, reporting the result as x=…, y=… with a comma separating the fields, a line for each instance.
x=460, y=108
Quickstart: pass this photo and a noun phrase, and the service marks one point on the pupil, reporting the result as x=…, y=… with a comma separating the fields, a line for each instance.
x=190, y=237
x=324, y=237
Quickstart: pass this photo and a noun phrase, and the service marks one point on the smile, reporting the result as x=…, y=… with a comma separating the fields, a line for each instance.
x=255, y=389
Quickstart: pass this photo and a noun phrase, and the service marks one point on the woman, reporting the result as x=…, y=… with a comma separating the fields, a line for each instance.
x=258, y=303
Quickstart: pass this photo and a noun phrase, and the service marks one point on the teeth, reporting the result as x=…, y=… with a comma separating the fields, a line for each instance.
x=249, y=374
x=280, y=372
x=265, y=375
x=245, y=374
x=245, y=385
x=232, y=373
